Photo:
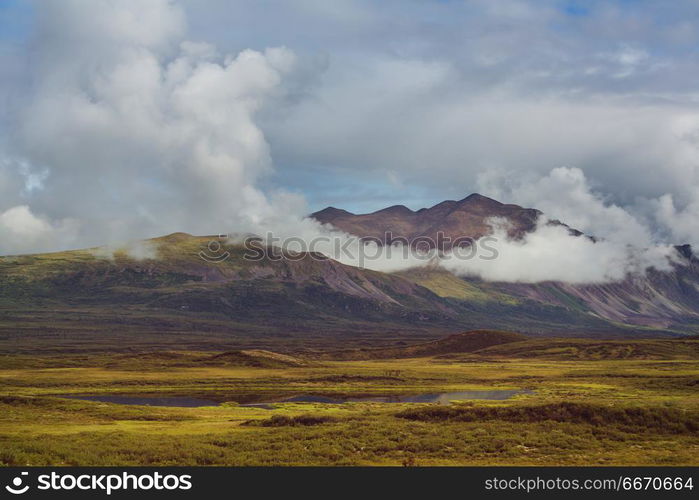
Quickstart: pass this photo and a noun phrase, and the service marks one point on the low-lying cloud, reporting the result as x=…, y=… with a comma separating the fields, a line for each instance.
x=551, y=253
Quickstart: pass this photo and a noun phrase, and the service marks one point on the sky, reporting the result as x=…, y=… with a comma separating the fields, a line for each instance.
x=122, y=120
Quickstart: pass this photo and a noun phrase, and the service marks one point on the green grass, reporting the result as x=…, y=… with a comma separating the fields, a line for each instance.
x=586, y=349
x=583, y=412
x=663, y=420
x=446, y=284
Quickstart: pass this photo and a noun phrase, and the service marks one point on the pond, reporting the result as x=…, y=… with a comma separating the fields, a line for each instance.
x=442, y=398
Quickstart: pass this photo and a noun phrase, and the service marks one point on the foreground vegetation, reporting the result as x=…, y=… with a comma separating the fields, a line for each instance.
x=582, y=412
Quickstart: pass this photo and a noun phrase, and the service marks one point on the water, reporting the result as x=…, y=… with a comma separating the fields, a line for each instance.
x=442, y=398
x=445, y=398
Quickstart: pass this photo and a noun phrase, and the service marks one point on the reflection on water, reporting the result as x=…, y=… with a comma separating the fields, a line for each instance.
x=443, y=398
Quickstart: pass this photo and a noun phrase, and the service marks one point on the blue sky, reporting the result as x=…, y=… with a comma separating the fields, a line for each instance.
x=15, y=20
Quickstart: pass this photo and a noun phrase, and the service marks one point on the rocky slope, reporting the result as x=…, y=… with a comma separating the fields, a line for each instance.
x=174, y=298
x=449, y=222
x=84, y=300
x=659, y=300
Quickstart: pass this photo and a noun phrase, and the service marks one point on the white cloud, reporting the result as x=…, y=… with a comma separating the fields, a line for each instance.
x=126, y=128
x=681, y=224
x=142, y=132
x=565, y=194
x=21, y=231
x=551, y=253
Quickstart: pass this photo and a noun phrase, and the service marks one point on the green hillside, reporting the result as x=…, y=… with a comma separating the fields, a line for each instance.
x=95, y=299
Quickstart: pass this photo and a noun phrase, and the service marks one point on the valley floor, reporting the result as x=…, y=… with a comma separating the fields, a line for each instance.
x=604, y=412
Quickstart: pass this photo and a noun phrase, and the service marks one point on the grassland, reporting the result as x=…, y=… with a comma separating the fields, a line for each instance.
x=585, y=409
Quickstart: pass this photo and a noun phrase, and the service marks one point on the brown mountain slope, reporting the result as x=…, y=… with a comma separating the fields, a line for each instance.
x=665, y=300
x=85, y=301
x=178, y=299
x=441, y=226
x=659, y=299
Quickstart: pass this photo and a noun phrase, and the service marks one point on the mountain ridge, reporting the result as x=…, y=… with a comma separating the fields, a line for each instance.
x=438, y=226
x=659, y=299
x=177, y=299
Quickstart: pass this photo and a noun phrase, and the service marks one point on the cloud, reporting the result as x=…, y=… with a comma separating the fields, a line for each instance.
x=441, y=136
x=551, y=253
x=522, y=86
x=23, y=232
x=137, y=131
x=129, y=121
x=566, y=195
x=679, y=223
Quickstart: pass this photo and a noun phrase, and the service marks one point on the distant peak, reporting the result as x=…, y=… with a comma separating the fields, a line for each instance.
x=441, y=204
x=479, y=198
x=333, y=210
x=330, y=213
x=395, y=209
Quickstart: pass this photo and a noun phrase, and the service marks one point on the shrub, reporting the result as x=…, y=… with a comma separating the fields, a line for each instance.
x=286, y=421
x=661, y=419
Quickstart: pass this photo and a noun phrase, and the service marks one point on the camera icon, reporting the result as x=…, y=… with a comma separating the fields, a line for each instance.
x=16, y=487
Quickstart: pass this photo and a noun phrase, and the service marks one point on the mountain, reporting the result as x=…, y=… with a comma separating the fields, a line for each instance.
x=87, y=300
x=659, y=300
x=171, y=297
x=177, y=298
x=439, y=226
